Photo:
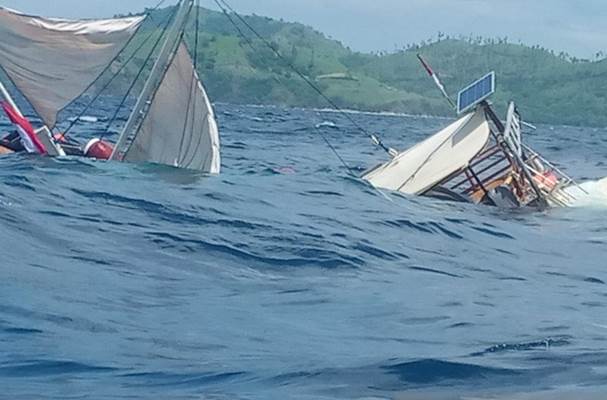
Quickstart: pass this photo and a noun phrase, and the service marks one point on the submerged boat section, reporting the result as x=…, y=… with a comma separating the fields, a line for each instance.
x=477, y=159
x=54, y=62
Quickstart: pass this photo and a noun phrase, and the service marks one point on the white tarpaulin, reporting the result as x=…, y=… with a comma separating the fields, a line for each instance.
x=52, y=61
x=180, y=128
x=431, y=161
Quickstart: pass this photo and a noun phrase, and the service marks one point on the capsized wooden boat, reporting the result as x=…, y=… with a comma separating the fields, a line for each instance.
x=53, y=62
x=477, y=159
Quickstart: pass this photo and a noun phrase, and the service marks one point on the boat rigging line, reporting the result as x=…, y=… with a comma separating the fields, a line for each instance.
x=224, y=6
x=139, y=73
x=116, y=74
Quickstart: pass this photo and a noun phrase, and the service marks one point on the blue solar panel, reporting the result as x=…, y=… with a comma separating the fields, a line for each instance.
x=476, y=93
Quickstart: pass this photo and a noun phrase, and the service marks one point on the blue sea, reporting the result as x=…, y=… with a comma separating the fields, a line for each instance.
x=287, y=278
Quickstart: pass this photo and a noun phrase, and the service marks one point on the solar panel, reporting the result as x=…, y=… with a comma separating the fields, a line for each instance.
x=476, y=93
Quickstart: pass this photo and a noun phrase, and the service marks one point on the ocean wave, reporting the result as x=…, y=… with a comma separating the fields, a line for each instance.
x=288, y=277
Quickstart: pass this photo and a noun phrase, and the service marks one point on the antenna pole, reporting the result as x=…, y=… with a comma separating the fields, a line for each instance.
x=437, y=81
x=442, y=89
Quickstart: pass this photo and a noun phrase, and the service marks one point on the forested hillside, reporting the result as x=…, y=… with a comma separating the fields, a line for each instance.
x=549, y=87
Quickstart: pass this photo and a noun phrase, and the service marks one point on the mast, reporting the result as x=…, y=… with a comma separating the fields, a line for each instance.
x=9, y=99
x=155, y=79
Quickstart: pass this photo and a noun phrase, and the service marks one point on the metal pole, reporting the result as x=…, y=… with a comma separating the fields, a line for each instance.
x=9, y=99
x=500, y=126
x=58, y=151
x=437, y=81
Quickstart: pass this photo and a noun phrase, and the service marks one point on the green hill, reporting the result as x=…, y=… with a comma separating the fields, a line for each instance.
x=548, y=88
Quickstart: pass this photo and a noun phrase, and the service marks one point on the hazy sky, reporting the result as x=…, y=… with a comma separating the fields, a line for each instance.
x=576, y=26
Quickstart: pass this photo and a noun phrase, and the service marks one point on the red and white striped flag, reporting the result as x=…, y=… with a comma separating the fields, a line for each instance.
x=28, y=136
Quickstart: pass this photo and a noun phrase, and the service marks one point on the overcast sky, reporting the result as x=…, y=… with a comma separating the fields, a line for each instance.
x=576, y=26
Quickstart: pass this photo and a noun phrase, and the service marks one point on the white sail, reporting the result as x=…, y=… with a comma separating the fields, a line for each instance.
x=52, y=61
x=179, y=128
x=435, y=159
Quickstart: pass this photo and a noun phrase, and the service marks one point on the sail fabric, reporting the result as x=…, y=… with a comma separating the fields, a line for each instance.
x=179, y=128
x=53, y=61
x=420, y=168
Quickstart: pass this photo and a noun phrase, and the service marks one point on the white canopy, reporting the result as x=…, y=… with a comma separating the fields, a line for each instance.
x=431, y=161
x=179, y=128
x=53, y=61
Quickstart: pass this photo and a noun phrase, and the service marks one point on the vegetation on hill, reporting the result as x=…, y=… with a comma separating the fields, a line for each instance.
x=548, y=87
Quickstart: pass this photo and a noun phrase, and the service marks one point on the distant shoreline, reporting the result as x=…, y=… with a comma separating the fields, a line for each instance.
x=388, y=114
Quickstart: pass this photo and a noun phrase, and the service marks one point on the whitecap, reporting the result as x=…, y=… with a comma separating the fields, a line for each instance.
x=589, y=194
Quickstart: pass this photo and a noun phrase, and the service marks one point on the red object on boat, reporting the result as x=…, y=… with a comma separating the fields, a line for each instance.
x=548, y=179
x=98, y=149
x=551, y=179
x=59, y=137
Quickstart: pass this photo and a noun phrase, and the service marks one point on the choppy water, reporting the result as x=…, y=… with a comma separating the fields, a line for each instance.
x=286, y=278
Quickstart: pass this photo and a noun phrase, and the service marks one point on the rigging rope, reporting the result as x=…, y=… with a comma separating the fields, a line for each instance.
x=295, y=69
x=240, y=32
x=117, y=73
x=224, y=8
x=139, y=73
